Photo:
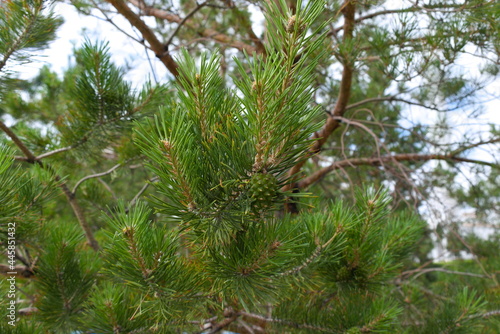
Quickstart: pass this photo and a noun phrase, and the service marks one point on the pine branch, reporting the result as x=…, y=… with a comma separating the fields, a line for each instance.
x=205, y=32
x=314, y=255
x=77, y=209
x=30, y=156
x=286, y=322
x=316, y=176
x=21, y=39
x=19, y=271
x=92, y=176
x=184, y=20
x=419, y=272
x=345, y=91
x=147, y=33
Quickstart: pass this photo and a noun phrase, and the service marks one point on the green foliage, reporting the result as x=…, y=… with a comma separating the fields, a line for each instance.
x=143, y=255
x=24, y=26
x=101, y=100
x=22, y=195
x=114, y=308
x=66, y=274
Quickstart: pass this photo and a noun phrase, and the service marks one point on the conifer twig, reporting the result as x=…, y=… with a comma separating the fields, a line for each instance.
x=17, y=44
x=311, y=258
x=143, y=189
x=348, y=11
x=316, y=176
x=147, y=34
x=92, y=176
x=443, y=270
x=286, y=322
x=205, y=32
x=77, y=209
x=184, y=20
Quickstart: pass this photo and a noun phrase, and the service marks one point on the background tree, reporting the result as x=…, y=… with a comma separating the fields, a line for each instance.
x=326, y=100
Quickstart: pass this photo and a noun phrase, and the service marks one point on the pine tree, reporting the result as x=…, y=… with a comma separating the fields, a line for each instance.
x=227, y=238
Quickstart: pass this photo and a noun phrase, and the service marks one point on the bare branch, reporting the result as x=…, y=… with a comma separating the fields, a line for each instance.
x=143, y=189
x=109, y=171
x=348, y=10
x=377, y=161
x=375, y=14
x=28, y=311
x=230, y=316
x=19, y=271
x=59, y=150
x=285, y=322
x=251, y=34
x=109, y=20
x=419, y=272
x=476, y=259
x=486, y=315
x=30, y=156
x=392, y=98
x=148, y=35
x=184, y=20
x=205, y=32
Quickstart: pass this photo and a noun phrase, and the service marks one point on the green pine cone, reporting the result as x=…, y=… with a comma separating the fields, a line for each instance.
x=262, y=190
x=343, y=275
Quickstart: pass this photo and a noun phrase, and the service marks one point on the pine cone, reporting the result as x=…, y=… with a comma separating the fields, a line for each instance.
x=262, y=190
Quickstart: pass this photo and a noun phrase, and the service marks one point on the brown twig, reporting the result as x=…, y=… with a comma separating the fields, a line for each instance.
x=109, y=171
x=205, y=32
x=143, y=189
x=147, y=34
x=377, y=161
x=184, y=20
x=420, y=272
x=476, y=258
x=348, y=10
x=224, y=323
x=30, y=156
x=17, y=271
x=286, y=322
